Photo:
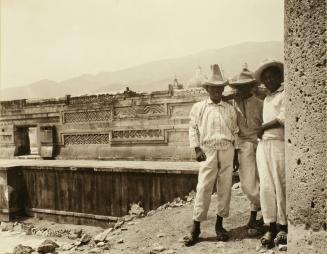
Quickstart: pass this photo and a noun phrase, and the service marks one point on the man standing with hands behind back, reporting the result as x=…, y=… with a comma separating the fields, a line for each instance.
x=249, y=117
x=213, y=135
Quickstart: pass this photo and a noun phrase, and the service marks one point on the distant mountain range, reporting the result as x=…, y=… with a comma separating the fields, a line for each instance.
x=152, y=76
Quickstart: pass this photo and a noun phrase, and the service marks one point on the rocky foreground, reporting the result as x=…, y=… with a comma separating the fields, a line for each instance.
x=158, y=231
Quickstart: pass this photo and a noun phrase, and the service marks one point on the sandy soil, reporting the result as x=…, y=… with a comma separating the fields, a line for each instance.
x=159, y=233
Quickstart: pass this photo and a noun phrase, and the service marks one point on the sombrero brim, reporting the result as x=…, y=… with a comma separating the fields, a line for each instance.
x=209, y=83
x=243, y=82
x=262, y=67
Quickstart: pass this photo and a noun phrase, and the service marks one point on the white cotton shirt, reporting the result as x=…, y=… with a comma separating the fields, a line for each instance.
x=213, y=126
x=274, y=108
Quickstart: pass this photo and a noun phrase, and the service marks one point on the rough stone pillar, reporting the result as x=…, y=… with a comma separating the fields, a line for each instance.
x=305, y=74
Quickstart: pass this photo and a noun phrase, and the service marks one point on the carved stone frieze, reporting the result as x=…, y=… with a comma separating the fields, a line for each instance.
x=140, y=110
x=87, y=116
x=86, y=138
x=139, y=136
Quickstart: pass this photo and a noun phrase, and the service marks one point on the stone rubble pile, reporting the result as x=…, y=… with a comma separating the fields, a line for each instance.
x=84, y=241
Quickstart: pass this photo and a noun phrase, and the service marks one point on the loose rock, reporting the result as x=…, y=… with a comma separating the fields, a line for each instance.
x=48, y=246
x=95, y=250
x=21, y=249
x=100, y=244
x=77, y=243
x=157, y=248
x=67, y=247
x=118, y=224
x=136, y=210
x=150, y=213
x=73, y=236
x=102, y=236
x=85, y=238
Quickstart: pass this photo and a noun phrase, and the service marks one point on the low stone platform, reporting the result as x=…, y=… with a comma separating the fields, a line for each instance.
x=89, y=191
x=148, y=166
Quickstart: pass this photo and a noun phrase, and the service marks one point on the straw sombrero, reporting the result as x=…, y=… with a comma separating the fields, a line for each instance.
x=216, y=78
x=264, y=65
x=244, y=78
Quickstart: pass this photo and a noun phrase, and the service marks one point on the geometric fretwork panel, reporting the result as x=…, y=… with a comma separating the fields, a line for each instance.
x=140, y=110
x=150, y=134
x=87, y=116
x=87, y=138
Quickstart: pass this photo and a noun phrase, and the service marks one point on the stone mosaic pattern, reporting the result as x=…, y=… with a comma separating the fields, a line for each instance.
x=88, y=138
x=142, y=110
x=153, y=134
x=87, y=116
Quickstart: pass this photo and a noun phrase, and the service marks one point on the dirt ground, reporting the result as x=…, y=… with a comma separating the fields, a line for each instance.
x=159, y=233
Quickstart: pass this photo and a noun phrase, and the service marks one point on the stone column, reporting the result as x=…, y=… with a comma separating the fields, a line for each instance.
x=305, y=138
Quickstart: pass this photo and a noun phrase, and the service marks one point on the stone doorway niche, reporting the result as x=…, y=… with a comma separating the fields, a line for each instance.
x=26, y=140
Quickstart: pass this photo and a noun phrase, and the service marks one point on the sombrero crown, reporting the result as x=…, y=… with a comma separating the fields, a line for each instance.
x=216, y=78
x=245, y=77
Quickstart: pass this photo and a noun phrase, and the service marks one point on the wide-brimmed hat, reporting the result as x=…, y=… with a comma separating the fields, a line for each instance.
x=216, y=78
x=244, y=78
x=264, y=65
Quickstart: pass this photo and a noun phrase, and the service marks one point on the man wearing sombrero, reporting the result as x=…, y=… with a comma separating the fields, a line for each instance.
x=213, y=134
x=249, y=118
x=271, y=154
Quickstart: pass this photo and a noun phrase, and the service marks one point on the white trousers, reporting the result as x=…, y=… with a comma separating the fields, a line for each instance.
x=248, y=173
x=217, y=168
x=271, y=167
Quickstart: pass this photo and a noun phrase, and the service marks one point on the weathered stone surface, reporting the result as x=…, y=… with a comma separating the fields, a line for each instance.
x=136, y=210
x=305, y=136
x=95, y=250
x=102, y=236
x=48, y=246
x=73, y=236
x=21, y=249
x=68, y=246
x=156, y=248
x=101, y=244
x=118, y=224
x=85, y=238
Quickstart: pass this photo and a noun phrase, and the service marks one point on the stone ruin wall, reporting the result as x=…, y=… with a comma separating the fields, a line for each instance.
x=140, y=126
x=305, y=78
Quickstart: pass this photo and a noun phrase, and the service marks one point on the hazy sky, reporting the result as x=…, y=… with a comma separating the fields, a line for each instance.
x=60, y=39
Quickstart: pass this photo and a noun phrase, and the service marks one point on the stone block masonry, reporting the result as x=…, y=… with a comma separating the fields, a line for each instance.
x=144, y=126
